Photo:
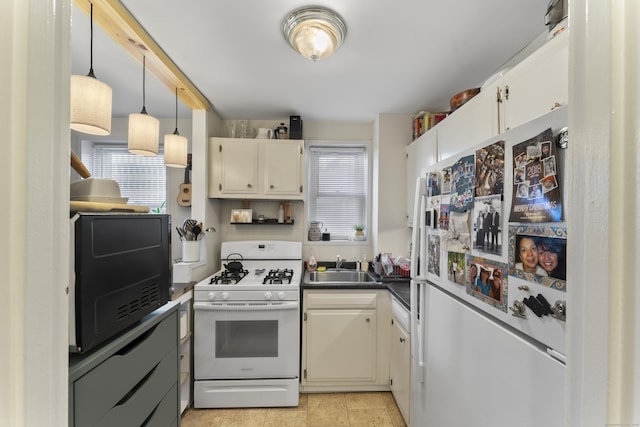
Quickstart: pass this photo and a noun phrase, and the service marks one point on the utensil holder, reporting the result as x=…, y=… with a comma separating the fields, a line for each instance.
x=191, y=250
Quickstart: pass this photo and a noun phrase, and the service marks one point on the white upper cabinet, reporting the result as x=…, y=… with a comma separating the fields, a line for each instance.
x=238, y=167
x=421, y=154
x=471, y=122
x=256, y=169
x=282, y=168
x=536, y=85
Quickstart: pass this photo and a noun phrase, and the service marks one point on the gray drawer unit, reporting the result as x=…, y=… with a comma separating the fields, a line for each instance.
x=133, y=379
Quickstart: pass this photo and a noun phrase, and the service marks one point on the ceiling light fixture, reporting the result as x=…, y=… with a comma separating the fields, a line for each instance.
x=175, y=146
x=90, y=100
x=144, y=129
x=314, y=32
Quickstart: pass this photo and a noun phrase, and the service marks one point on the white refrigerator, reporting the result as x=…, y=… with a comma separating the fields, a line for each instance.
x=491, y=358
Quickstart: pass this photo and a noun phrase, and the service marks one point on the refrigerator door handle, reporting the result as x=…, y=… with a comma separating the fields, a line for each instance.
x=418, y=298
x=417, y=226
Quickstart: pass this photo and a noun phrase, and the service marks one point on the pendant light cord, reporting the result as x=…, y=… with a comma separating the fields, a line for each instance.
x=175, y=132
x=91, y=47
x=144, y=109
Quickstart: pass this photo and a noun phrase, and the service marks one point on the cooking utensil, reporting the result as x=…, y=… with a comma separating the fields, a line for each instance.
x=180, y=233
x=188, y=224
x=461, y=98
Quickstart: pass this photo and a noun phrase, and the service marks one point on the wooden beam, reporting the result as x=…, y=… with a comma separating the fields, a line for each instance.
x=124, y=29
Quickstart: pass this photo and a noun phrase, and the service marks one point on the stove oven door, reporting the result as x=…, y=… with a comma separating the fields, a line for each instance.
x=241, y=340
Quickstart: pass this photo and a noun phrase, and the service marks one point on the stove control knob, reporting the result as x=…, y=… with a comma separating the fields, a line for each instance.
x=268, y=295
x=225, y=295
x=280, y=295
x=212, y=296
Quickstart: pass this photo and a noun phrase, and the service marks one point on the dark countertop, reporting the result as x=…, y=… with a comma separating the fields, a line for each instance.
x=399, y=287
x=179, y=289
x=401, y=291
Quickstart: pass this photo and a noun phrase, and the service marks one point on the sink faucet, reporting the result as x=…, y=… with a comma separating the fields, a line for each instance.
x=339, y=262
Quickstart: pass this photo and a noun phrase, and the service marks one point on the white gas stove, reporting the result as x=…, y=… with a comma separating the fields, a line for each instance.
x=247, y=327
x=255, y=271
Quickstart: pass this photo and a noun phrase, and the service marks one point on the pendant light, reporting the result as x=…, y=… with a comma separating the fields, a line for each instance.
x=175, y=146
x=90, y=109
x=144, y=130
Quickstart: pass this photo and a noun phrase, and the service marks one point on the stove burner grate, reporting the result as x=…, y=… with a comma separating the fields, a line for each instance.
x=228, y=277
x=278, y=276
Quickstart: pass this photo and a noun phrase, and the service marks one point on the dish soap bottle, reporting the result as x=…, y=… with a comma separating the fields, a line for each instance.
x=281, y=214
x=364, y=266
x=312, y=264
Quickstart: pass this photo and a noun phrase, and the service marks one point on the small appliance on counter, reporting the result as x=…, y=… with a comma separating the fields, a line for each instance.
x=295, y=127
x=281, y=132
x=120, y=272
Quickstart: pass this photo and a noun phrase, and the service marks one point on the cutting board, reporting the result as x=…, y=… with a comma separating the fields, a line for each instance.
x=83, y=206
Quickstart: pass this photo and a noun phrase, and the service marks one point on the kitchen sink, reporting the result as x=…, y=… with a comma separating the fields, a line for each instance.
x=339, y=276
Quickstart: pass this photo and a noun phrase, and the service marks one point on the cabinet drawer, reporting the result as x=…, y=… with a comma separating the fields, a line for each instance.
x=341, y=300
x=165, y=413
x=144, y=398
x=134, y=366
x=136, y=408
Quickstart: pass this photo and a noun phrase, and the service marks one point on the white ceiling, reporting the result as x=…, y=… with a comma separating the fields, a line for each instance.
x=399, y=56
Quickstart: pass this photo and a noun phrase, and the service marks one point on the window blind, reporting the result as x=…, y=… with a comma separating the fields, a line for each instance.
x=141, y=178
x=337, y=190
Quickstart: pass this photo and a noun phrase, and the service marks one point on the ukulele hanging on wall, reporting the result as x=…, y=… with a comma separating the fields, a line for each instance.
x=184, y=198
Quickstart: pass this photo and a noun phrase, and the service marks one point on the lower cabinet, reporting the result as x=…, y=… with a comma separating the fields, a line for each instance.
x=345, y=339
x=400, y=363
x=131, y=380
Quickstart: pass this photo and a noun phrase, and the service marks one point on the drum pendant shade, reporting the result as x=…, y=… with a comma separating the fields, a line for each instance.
x=175, y=151
x=90, y=105
x=90, y=100
x=175, y=146
x=144, y=130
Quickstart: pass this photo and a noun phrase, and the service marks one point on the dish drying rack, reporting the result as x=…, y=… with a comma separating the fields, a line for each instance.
x=399, y=270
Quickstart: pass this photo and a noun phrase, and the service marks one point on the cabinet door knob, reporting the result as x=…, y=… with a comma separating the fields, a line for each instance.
x=272, y=186
x=249, y=186
x=402, y=340
x=368, y=320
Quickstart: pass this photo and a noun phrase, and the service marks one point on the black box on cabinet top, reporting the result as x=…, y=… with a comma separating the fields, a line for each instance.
x=121, y=273
x=295, y=127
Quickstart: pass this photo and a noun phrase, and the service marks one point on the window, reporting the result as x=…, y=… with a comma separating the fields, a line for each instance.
x=338, y=188
x=142, y=179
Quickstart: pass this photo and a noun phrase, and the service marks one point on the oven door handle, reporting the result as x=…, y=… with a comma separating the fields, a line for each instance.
x=289, y=305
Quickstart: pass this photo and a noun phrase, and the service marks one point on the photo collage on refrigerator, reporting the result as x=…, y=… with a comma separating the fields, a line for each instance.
x=467, y=199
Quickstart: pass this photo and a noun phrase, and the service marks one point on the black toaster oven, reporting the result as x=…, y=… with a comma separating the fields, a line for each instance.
x=120, y=273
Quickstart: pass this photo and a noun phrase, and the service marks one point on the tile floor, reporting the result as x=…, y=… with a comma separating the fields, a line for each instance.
x=315, y=410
